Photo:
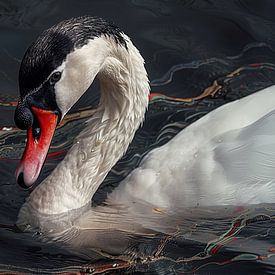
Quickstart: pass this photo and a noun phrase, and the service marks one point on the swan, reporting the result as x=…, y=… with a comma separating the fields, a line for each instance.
x=226, y=158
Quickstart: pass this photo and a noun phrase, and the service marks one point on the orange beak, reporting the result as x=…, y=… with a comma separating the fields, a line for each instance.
x=36, y=148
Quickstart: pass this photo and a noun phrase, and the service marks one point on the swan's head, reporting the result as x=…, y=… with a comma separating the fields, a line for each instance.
x=55, y=71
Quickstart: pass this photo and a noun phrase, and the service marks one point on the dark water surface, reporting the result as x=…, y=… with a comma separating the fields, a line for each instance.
x=189, y=46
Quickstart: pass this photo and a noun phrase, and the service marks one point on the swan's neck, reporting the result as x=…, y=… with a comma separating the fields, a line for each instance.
x=124, y=99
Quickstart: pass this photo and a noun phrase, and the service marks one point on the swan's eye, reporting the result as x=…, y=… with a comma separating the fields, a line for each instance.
x=55, y=77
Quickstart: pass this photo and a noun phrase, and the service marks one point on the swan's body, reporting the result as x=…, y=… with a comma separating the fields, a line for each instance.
x=225, y=158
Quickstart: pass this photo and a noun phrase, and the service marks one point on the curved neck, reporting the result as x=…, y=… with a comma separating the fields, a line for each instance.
x=124, y=99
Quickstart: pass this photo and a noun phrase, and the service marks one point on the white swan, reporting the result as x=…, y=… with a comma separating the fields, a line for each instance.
x=225, y=158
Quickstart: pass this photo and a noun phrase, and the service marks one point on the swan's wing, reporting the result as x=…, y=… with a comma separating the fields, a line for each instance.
x=246, y=158
x=236, y=167
x=196, y=168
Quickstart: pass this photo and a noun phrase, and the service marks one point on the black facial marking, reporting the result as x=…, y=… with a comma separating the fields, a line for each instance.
x=53, y=45
x=44, y=99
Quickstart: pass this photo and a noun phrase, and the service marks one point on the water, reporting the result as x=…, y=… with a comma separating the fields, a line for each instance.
x=188, y=46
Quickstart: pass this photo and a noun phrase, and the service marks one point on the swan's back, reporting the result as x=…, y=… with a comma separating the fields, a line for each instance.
x=225, y=158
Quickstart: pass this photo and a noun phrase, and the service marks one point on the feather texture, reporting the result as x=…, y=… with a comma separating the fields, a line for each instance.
x=225, y=158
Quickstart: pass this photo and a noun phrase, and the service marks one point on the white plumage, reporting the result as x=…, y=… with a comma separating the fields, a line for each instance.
x=225, y=158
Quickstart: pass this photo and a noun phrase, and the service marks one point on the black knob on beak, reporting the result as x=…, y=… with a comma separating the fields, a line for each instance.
x=23, y=116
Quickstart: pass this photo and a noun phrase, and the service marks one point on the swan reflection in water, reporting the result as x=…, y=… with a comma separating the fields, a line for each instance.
x=221, y=166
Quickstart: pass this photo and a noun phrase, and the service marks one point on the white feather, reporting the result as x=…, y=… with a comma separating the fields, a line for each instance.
x=225, y=158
